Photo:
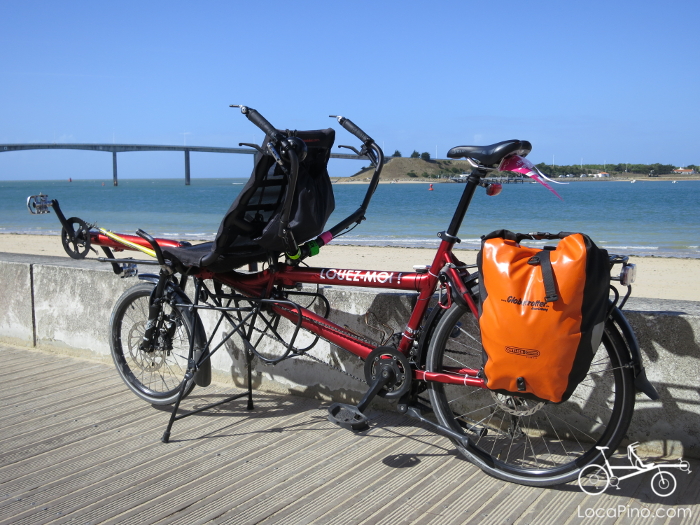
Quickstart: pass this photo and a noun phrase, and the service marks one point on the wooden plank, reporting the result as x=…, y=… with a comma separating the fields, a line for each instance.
x=85, y=449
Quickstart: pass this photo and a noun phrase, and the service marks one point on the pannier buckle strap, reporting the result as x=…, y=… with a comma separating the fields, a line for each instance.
x=543, y=260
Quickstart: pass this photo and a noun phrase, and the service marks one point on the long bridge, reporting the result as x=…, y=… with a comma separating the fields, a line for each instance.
x=121, y=148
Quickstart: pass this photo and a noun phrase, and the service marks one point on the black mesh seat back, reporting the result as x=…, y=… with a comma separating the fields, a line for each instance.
x=255, y=214
x=313, y=197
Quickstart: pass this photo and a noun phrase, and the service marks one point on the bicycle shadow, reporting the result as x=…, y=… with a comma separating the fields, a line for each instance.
x=671, y=355
x=265, y=405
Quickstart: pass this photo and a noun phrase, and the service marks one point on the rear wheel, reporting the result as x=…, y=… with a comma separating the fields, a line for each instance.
x=156, y=374
x=593, y=479
x=521, y=440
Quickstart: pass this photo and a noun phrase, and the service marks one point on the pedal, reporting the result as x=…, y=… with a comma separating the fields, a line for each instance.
x=347, y=416
x=38, y=204
x=352, y=417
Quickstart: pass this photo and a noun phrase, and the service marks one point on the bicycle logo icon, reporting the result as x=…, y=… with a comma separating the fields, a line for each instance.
x=594, y=479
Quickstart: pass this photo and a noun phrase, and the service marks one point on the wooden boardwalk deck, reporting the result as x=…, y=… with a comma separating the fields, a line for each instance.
x=77, y=447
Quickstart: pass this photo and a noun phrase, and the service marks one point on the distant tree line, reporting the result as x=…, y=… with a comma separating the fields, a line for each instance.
x=445, y=171
x=574, y=169
x=415, y=155
x=614, y=169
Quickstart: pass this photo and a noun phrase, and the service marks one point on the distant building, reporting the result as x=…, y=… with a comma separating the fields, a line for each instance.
x=601, y=175
x=684, y=171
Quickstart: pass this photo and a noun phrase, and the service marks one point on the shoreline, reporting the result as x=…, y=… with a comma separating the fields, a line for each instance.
x=356, y=179
x=422, y=180
x=466, y=246
x=673, y=278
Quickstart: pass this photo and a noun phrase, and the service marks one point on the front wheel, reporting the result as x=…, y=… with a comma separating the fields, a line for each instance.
x=155, y=374
x=663, y=483
x=521, y=440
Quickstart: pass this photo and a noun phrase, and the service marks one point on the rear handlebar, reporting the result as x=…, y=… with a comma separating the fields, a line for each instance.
x=374, y=153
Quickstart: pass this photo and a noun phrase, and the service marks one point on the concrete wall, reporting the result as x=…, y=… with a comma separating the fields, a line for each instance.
x=16, y=308
x=64, y=306
x=669, y=335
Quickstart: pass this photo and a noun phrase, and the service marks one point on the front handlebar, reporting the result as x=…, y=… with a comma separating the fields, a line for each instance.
x=376, y=157
x=257, y=119
x=370, y=149
x=353, y=128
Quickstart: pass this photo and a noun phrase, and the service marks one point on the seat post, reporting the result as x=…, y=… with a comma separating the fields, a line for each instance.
x=464, y=201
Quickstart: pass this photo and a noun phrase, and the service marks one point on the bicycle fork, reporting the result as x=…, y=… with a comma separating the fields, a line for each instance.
x=155, y=307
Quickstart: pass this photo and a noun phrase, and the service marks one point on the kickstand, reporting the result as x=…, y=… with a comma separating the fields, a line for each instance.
x=249, y=365
x=190, y=374
x=173, y=415
x=352, y=417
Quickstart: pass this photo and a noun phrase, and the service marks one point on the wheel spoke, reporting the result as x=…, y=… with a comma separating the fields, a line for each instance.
x=155, y=374
x=526, y=436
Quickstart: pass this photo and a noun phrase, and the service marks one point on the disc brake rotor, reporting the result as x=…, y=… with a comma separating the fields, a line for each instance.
x=146, y=361
x=516, y=406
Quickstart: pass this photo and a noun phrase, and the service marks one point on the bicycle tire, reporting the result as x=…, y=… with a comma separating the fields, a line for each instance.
x=549, y=446
x=155, y=377
x=663, y=483
x=593, y=479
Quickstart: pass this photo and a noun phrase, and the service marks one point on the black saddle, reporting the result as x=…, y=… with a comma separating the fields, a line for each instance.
x=492, y=155
x=249, y=231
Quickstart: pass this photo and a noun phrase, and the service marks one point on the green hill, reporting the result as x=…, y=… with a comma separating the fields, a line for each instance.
x=402, y=168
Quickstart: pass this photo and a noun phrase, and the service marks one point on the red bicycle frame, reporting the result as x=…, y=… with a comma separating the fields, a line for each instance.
x=445, y=271
x=261, y=284
x=426, y=284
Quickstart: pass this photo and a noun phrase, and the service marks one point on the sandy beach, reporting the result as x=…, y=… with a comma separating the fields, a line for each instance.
x=657, y=277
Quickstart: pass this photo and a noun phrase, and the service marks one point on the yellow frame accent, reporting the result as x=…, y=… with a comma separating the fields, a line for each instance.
x=130, y=244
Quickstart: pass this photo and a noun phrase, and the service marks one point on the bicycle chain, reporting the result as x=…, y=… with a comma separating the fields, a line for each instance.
x=314, y=358
x=329, y=365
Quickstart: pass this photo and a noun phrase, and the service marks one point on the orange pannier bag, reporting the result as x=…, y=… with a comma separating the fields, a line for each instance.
x=541, y=312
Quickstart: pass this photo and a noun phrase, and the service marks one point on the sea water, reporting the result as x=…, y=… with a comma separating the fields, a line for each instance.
x=646, y=218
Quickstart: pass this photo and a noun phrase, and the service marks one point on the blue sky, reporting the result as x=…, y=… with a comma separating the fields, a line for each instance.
x=599, y=81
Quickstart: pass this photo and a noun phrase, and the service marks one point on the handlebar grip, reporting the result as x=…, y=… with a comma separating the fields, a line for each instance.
x=260, y=121
x=355, y=130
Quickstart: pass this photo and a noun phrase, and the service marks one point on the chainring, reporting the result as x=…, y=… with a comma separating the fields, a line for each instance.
x=77, y=242
x=402, y=368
